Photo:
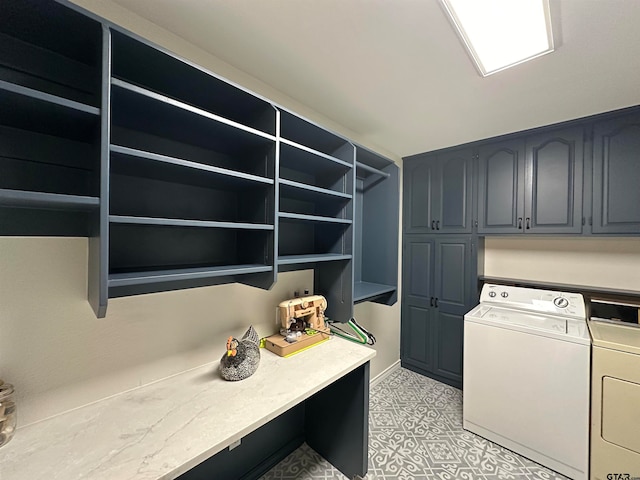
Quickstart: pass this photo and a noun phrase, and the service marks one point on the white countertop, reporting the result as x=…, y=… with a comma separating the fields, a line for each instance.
x=163, y=429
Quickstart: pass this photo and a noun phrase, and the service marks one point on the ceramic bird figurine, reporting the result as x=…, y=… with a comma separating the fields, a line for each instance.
x=242, y=357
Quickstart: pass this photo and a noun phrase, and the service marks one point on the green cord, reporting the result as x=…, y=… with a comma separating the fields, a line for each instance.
x=341, y=333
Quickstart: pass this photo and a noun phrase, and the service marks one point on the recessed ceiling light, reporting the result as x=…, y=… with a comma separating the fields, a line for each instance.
x=502, y=33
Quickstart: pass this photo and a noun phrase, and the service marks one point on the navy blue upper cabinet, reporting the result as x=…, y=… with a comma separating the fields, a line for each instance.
x=553, y=188
x=438, y=192
x=417, y=187
x=616, y=175
x=452, y=206
x=532, y=184
x=501, y=187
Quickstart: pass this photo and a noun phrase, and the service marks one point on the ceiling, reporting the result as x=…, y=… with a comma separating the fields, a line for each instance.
x=394, y=72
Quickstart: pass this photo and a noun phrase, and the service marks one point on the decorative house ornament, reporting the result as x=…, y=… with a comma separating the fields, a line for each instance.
x=242, y=357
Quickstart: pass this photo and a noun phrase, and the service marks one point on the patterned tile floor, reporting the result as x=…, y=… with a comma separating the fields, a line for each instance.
x=415, y=433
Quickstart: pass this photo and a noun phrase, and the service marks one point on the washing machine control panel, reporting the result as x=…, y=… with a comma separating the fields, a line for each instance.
x=561, y=302
x=543, y=301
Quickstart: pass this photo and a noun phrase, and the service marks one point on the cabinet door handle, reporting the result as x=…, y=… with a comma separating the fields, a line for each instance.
x=437, y=224
x=519, y=223
x=436, y=302
x=528, y=223
x=432, y=301
x=433, y=224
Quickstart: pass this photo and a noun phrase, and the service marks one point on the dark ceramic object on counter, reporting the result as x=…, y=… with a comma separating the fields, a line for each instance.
x=242, y=357
x=8, y=414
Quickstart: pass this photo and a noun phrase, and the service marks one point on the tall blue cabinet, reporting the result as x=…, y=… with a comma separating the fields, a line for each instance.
x=440, y=262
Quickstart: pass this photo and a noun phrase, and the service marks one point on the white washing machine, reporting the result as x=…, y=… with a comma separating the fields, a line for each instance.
x=526, y=375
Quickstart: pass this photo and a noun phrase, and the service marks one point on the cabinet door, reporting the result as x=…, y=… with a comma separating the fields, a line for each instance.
x=616, y=175
x=449, y=336
x=501, y=187
x=418, y=341
x=417, y=270
x=553, y=187
x=418, y=178
x=452, y=270
x=452, y=192
x=417, y=328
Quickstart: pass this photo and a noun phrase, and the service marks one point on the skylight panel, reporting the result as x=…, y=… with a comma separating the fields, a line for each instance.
x=502, y=33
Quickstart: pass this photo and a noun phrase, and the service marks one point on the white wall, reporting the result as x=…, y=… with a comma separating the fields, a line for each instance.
x=598, y=262
x=59, y=355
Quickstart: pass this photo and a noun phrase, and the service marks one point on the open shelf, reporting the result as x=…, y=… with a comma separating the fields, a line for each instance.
x=197, y=113
x=363, y=291
x=54, y=201
x=178, y=222
x=46, y=98
x=148, y=67
x=313, y=218
x=50, y=48
x=296, y=198
x=140, y=187
x=309, y=153
x=155, y=252
x=368, y=159
x=376, y=242
x=160, y=276
x=147, y=122
x=302, y=167
x=304, y=192
x=28, y=213
x=313, y=137
x=50, y=99
x=192, y=177
x=302, y=259
x=177, y=168
x=49, y=168
x=313, y=238
x=32, y=161
x=26, y=109
x=180, y=178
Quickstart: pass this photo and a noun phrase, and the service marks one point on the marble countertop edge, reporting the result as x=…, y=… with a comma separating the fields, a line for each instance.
x=162, y=429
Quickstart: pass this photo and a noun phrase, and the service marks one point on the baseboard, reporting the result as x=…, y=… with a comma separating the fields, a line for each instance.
x=452, y=383
x=385, y=373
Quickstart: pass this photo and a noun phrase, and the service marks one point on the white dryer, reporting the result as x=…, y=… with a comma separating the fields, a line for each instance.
x=526, y=375
x=615, y=415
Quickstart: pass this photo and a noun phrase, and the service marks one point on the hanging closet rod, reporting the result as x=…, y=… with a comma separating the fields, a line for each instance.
x=369, y=169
